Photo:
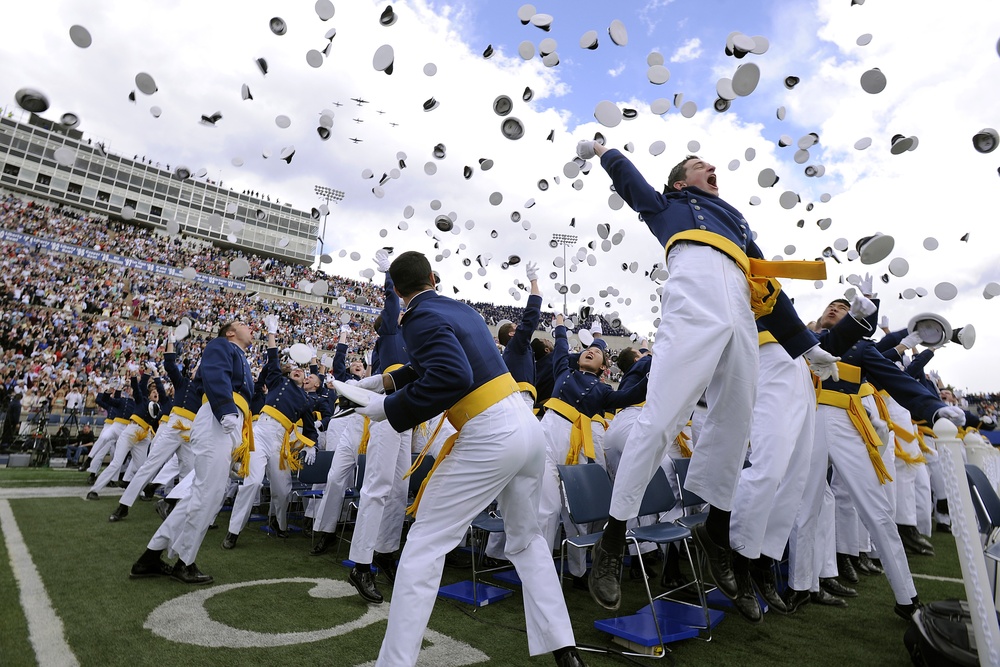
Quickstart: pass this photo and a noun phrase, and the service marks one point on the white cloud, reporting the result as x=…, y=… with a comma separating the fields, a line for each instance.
x=689, y=50
x=616, y=71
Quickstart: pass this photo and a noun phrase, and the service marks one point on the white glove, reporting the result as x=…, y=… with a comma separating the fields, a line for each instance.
x=862, y=307
x=271, y=324
x=866, y=286
x=309, y=456
x=230, y=423
x=531, y=271
x=585, y=149
x=597, y=327
x=375, y=410
x=318, y=424
x=952, y=413
x=822, y=363
x=988, y=420
x=171, y=337
x=346, y=328
x=382, y=260
x=327, y=361
x=912, y=340
x=881, y=429
x=373, y=383
x=151, y=367
x=884, y=322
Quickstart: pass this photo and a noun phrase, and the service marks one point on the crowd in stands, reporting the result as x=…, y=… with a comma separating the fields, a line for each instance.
x=70, y=325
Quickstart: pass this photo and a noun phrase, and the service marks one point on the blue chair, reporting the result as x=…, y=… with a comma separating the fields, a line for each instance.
x=689, y=500
x=658, y=498
x=354, y=496
x=587, y=490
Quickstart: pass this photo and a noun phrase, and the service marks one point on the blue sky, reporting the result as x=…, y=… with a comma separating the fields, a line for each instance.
x=940, y=61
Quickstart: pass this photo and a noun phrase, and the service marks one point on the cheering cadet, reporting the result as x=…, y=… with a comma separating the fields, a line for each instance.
x=495, y=455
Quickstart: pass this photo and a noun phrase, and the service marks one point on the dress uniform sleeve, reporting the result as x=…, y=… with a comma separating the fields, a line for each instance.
x=890, y=340
x=390, y=310
x=786, y=327
x=140, y=388
x=843, y=335
x=612, y=400
x=216, y=372
x=909, y=393
x=173, y=372
x=560, y=353
x=631, y=186
x=340, y=363
x=272, y=369
x=919, y=363
x=445, y=372
x=521, y=340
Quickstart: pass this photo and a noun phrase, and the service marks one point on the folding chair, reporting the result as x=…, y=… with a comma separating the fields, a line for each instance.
x=689, y=500
x=484, y=525
x=658, y=498
x=587, y=490
x=311, y=475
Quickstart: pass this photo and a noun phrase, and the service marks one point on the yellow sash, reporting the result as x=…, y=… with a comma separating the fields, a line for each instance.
x=856, y=412
x=469, y=406
x=122, y=420
x=580, y=435
x=241, y=453
x=182, y=425
x=760, y=273
x=682, y=441
x=286, y=459
x=765, y=337
x=141, y=434
x=528, y=387
x=366, y=433
x=109, y=421
x=921, y=432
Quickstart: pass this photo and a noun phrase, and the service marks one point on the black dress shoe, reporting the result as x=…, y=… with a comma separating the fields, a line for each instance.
x=906, y=611
x=322, y=543
x=834, y=587
x=365, y=583
x=846, y=569
x=765, y=583
x=92, y=478
x=92, y=495
x=120, y=513
x=386, y=565
x=605, y=578
x=150, y=565
x=795, y=599
x=720, y=562
x=570, y=659
x=272, y=523
x=230, y=541
x=943, y=528
x=866, y=565
x=913, y=542
x=189, y=574
x=746, y=601
x=163, y=508
x=826, y=599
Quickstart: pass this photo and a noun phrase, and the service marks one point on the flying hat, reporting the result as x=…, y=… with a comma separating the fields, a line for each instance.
x=875, y=248
x=934, y=329
x=986, y=140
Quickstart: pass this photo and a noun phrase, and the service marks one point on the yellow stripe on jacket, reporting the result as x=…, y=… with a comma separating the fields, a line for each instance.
x=469, y=406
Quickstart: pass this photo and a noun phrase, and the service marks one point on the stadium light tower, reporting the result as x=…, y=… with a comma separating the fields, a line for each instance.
x=563, y=240
x=328, y=195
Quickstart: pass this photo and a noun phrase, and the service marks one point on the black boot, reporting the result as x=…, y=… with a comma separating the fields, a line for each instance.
x=846, y=569
x=189, y=574
x=323, y=542
x=151, y=564
x=364, y=582
x=762, y=575
x=120, y=513
x=746, y=599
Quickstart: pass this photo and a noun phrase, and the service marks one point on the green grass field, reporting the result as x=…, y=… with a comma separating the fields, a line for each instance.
x=83, y=561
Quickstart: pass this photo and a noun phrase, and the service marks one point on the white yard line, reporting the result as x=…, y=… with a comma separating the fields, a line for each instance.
x=55, y=492
x=934, y=578
x=45, y=628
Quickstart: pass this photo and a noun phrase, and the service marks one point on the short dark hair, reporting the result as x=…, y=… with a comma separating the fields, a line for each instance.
x=843, y=301
x=410, y=272
x=224, y=329
x=538, y=348
x=627, y=359
x=679, y=172
x=505, y=333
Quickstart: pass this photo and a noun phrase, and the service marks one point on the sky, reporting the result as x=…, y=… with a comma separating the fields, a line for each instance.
x=940, y=62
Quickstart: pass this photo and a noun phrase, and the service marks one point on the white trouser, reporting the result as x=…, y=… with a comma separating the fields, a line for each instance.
x=811, y=550
x=497, y=542
x=938, y=490
x=166, y=443
x=341, y=474
x=498, y=455
x=170, y=472
x=109, y=435
x=126, y=443
x=851, y=463
x=268, y=434
x=706, y=343
x=922, y=499
x=784, y=420
x=904, y=474
x=183, y=531
x=382, y=509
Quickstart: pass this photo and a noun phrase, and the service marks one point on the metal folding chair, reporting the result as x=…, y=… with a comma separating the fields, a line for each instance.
x=587, y=490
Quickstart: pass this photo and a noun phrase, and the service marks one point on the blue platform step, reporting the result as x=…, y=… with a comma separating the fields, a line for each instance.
x=677, y=622
x=462, y=591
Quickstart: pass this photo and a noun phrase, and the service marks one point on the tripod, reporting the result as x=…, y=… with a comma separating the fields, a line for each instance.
x=40, y=443
x=73, y=419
